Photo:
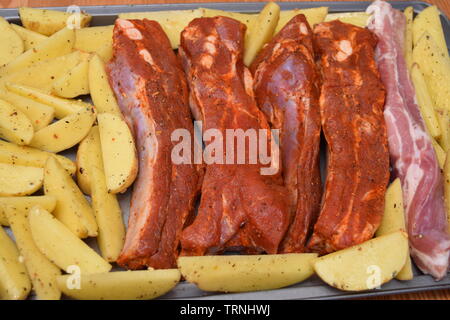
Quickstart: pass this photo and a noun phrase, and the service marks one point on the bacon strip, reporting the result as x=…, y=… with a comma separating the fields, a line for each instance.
x=412, y=154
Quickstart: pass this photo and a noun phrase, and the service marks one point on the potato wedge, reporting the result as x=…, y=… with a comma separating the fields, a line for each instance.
x=42, y=272
x=245, y=18
x=65, y=133
x=47, y=22
x=12, y=44
x=358, y=19
x=61, y=43
x=14, y=124
x=30, y=38
x=18, y=180
x=111, y=229
x=24, y=204
x=364, y=266
x=39, y=114
x=14, y=281
x=409, y=13
x=446, y=174
x=73, y=84
x=440, y=153
x=435, y=66
x=242, y=273
x=72, y=208
x=101, y=93
x=443, y=117
x=313, y=16
x=95, y=39
x=62, y=107
x=61, y=246
x=88, y=155
x=118, y=151
x=123, y=285
x=172, y=22
x=429, y=21
x=394, y=220
x=425, y=103
x=30, y=157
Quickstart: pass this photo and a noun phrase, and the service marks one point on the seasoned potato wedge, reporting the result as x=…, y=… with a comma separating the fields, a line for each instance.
x=313, y=16
x=14, y=281
x=61, y=246
x=14, y=124
x=111, y=229
x=24, y=204
x=425, y=103
x=61, y=43
x=72, y=208
x=440, y=153
x=364, y=266
x=394, y=220
x=95, y=39
x=262, y=31
x=18, y=180
x=356, y=18
x=446, y=174
x=42, y=272
x=245, y=18
x=101, y=93
x=443, y=117
x=47, y=22
x=118, y=151
x=39, y=114
x=30, y=38
x=65, y=133
x=73, y=84
x=88, y=155
x=247, y=273
x=123, y=285
x=428, y=21
x=172, y=22
x=62, y=107
x=409, y=13
x=27, y=156
x=14, y=43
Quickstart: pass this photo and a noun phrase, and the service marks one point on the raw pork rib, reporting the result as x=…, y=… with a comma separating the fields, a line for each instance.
x=152, y=93
x=240, y=209
x=287, y=91
x=351, y=106
x=412, y=154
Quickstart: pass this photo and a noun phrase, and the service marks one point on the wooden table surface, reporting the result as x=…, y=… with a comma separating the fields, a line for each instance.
x=444, y=6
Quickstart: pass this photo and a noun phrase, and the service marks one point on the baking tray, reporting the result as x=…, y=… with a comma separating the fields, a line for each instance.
x=312, y=288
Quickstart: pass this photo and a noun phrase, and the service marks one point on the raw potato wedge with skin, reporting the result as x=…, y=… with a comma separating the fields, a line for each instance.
x=446, y=174
x=364, y=266
x=394, y=220
x=14, y=281
x=242, y=273
x=118, y=151
x=18, y=180
x=440, y=153
x=57, y=45
x=262, y=31
x=245, y=18
x=47, y=22
x=88, y=155
x=95, y=39
x=443, y=116
x=61, y=246
x=123, y=285
x=39, y=114
x=14, y=46
x=74, y=83
x=65, y=133
x=356, y=18
x=24, y=204
x=101, y=93
x=30, y=38
x=42, y=272
x=14, y=124
x=31, y=157
x=313, y=16
x=72, y=208
x=62, y=107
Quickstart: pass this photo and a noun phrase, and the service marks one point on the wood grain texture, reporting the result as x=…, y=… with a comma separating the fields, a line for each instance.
x=444, y=6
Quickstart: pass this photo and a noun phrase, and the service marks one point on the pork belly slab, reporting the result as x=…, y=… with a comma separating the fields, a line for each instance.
x=351, y=105
x=149, y=84
x=412, y=155
x=240, y=209
x=287, y=89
